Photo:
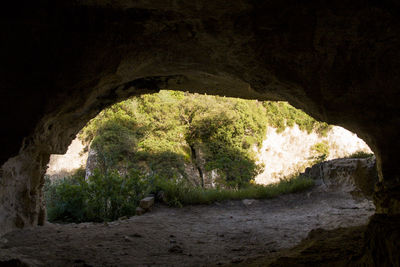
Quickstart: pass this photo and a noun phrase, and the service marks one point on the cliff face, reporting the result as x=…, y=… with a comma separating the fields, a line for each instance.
x=283, y=154
x=63, y=165
x=195, y=170
x=291, y=151
x=355, y=176
x=337, y=60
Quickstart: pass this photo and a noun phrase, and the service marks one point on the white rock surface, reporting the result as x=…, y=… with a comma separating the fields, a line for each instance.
x=283, y=154
x=73, y=159
x=286, y=153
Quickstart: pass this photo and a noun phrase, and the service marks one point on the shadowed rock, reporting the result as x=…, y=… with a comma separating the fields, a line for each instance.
x=65, y=61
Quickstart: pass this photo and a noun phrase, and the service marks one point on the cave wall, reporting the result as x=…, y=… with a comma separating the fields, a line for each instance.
x=65, y=61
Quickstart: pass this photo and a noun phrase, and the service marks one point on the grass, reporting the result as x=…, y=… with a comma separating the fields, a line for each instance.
x=360, y=155
x=177, y=194
x=106, y=197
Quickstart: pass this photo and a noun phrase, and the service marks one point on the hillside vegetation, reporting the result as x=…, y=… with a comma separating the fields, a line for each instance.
x=145, y=144
x=159, y=133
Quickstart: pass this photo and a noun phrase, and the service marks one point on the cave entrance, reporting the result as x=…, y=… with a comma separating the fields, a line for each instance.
x=169, y=135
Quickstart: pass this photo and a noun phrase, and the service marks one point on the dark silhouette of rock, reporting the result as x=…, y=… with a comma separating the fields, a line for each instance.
x=64, y=61
x=353, y=175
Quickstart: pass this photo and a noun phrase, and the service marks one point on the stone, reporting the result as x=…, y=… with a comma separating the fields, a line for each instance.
x=91, y=163
x=353, y=175
x=140, y=211
x=128, y=239
x=248, y=202
x=146, y=203
x=175, y=249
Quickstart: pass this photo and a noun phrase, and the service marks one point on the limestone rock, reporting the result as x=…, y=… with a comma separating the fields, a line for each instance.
x=249, y=202
x=64, y=165
x=91, y=162
x=288, y=152
x=146, y=203
x=140, y=211
x=349, y=174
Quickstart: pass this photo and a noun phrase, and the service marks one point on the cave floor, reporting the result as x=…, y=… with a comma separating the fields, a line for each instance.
x=222, y=233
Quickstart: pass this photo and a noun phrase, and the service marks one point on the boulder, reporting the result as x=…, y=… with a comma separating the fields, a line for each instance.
x=146, y=203
x=249, y=202
x=140, y=211
x=353, y=175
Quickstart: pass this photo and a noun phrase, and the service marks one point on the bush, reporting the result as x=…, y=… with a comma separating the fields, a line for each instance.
x=360, y=154
x=321, y=151
x=103, y=197
x=166, y=129
x=106, y=197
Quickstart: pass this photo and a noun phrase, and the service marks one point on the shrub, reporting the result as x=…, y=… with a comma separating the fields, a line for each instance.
x=321, y=151
x=360, y=154
x=66, y=199
x=165, y=129
x=106, y=197
x=103, y=197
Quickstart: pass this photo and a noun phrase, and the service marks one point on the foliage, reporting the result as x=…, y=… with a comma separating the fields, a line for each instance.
x=322, y=152
x=105, y=197
x=179, y=193
x=102, y=197
x=144, y=143
x=361, y=155
x=65, y=198
x=281, y=115
x=160, y=133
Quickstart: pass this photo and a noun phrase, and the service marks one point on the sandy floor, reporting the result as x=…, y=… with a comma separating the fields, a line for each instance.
x=222, y=233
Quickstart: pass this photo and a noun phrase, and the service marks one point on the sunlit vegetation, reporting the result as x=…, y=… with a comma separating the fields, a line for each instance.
x=321, y=152
x=179, y=193
x=143, y=145
x=101, y=197
x=107, y=197
x=361, y=155
x=159, y=133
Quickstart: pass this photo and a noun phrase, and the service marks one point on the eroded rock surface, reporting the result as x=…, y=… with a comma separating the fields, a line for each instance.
x=289, y=152
x=337, y=60
x=352, y=175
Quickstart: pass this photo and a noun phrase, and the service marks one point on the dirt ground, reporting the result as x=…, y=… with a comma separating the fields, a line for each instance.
x=223, y=233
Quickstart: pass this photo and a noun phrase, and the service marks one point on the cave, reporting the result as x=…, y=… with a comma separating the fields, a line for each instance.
x=64, y=62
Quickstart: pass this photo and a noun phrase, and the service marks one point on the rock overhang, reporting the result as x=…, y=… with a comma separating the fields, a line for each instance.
x=338, y=61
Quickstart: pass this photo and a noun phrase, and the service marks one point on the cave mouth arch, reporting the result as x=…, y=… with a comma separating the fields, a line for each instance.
x=283, y=138
x=236, y=225
x=337, y=61
x=33, y=170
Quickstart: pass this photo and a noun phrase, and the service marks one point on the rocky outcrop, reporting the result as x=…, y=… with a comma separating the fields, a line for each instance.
x=353, y=175
x=283, y=154
x=195, y=170
x=63, y=165
x=91, y=163
x=344, y=246
x=206, y=178
x=289, y=152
